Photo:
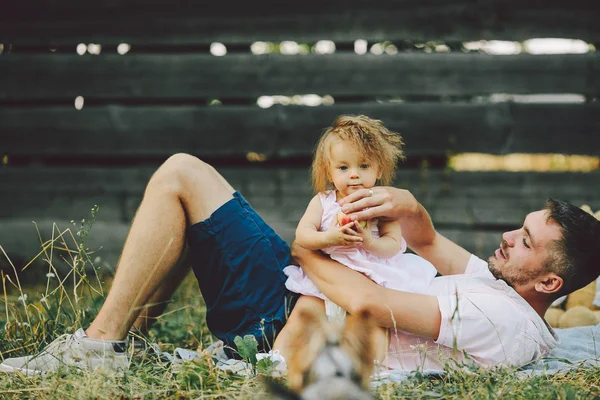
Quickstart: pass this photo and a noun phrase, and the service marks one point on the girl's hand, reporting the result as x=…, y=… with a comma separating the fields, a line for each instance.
x=365, y=233
x=343, y=235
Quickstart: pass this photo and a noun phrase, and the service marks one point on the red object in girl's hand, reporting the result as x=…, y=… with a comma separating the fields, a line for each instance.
x=344, y=219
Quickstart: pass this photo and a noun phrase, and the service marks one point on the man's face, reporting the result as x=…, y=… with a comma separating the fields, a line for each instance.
x=522, y=253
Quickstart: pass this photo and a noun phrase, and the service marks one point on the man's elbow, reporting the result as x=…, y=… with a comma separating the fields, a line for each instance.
x=298, y=252
x=365, y=303
x=372, y=305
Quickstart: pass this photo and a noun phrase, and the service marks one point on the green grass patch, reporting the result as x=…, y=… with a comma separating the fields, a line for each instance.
x=31, y=316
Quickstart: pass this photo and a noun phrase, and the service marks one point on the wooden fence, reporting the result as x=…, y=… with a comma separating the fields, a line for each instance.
x=169, y=94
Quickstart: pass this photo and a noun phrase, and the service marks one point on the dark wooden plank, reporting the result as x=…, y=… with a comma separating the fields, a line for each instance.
x=471, y=208
x=459, y=200
x=19, y=239
x=68, y=204
x=429, y=129
x=40, y=9
x=191, y=76
x=190, y=22
x=481, y=243
x=455, y=199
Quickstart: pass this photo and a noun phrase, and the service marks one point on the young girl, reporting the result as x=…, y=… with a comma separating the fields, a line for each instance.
x=354, y=153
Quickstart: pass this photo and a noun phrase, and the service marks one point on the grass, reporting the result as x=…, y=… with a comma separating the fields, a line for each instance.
x=32, y=316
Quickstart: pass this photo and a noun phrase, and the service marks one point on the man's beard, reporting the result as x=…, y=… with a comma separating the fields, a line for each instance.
x=496, y=272
x=511, y=280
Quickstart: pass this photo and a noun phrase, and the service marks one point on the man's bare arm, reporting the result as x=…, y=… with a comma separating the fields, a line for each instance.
x=417, y=227
x=418, y=314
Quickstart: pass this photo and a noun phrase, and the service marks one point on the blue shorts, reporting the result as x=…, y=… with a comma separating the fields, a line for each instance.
x=238, y=261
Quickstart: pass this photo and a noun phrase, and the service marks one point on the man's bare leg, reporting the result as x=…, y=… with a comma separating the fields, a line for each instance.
x=160, y=299
x=183, y=191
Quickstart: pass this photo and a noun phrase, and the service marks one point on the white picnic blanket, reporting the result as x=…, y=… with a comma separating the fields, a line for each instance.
x=578, y=347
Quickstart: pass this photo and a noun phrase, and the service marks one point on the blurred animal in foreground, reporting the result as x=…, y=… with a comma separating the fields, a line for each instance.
x=330, y=360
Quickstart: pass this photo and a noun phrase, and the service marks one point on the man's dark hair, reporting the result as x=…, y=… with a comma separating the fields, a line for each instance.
x=575, y=257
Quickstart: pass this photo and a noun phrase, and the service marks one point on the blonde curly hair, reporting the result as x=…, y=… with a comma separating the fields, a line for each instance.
x=370, y=136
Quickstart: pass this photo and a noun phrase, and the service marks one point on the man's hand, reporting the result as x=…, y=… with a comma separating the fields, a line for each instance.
x=385, y=203
x=417, y=229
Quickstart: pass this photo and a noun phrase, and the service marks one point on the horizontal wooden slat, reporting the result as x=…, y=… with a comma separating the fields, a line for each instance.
x=20, y=240
x=468, y=199
x=40, y=9
x=45, y=22
x=471, y=208
x=192, y=76
x=456, y=200
x=280, y=132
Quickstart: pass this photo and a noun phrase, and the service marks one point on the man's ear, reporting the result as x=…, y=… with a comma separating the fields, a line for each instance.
x=550, y=283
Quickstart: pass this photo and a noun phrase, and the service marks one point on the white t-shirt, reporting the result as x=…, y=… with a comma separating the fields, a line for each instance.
x=481, y=316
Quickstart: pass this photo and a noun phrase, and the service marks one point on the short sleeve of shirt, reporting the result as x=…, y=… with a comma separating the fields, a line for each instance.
x=478, y=267
x=487, y=326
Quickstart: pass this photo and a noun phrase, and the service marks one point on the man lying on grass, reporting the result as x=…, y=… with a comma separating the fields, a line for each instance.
x=491, y=311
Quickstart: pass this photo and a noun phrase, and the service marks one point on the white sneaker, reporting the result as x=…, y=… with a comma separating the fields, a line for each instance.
x=72, y=350
x=281, y=368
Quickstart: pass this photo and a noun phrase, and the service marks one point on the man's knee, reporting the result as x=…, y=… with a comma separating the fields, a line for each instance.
x=177, y=171
x=183, y=163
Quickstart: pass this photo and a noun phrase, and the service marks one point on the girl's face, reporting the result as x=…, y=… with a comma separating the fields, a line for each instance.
x=349, y=169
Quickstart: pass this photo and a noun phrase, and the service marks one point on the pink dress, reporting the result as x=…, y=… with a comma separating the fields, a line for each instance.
x=406, y=272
